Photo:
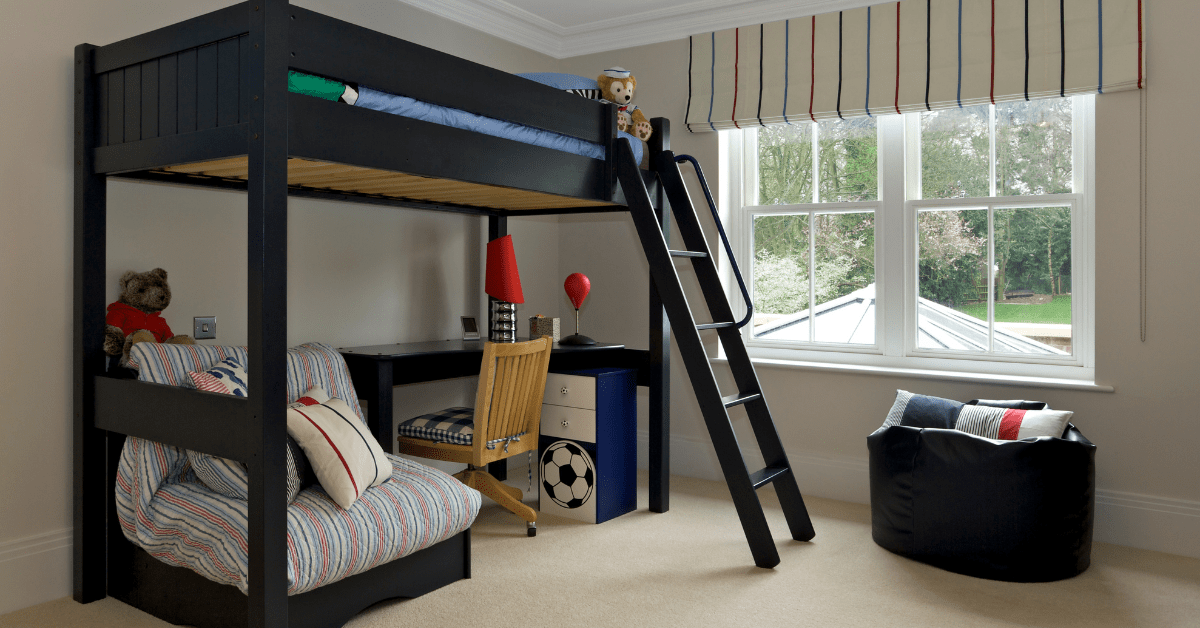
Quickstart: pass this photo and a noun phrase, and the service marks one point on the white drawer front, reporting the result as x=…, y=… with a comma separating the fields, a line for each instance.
x=573, y=423
x=571, y=390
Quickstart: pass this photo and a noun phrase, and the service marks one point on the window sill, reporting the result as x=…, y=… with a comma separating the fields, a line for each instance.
x=975, y=378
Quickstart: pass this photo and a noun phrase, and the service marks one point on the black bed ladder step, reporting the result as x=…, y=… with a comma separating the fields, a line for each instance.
x=730, y=401
x=713, y=405
x=765, y=476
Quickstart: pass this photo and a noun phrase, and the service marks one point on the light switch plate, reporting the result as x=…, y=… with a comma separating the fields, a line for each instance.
x=204, y=327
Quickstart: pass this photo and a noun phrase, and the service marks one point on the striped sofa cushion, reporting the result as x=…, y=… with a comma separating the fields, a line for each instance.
x=452, y=425
x=170, y=364
x=163, y=510
x=309, y=365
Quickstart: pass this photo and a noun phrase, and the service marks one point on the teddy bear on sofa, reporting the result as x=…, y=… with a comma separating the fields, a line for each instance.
x=617, y=86
x=136, y=314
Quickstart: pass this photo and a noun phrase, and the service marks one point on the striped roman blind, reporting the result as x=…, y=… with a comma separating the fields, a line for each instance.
x=912, y=55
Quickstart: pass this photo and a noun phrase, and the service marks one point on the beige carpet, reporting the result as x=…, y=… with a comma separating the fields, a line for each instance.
x=691, y=567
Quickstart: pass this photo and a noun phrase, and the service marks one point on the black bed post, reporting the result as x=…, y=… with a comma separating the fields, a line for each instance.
x=660, y=351
x=91, y=495
x=267, y=139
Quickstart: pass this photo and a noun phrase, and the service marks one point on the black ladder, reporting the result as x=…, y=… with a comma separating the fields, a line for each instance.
x=715, y=407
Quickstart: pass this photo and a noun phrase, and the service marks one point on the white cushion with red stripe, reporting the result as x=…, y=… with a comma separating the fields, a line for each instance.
x=344, y=455
x=1009, y=424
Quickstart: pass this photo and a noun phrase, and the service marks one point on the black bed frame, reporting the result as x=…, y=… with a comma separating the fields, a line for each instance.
x=215, y=86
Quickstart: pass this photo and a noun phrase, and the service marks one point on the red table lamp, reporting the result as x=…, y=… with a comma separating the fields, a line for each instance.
x=503, y=284
x=577, y=286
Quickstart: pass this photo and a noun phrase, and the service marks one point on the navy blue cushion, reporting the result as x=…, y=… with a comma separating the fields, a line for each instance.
x=923, y=411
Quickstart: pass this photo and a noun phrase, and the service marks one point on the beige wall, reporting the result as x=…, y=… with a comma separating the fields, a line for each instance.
x=1145, y=431
x=358, y=274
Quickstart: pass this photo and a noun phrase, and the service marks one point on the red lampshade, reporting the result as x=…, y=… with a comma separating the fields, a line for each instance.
x=502, y=281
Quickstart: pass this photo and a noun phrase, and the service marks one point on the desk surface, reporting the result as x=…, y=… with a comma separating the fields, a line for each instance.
x=440, y=347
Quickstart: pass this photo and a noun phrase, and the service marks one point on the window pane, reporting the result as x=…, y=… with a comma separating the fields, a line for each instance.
x=848, y=153
x=785, y=164
x=952, y=276
x=780, y=279
x=845, y=278
x=1033, y=280
x=955, y=151
x=1033, y=147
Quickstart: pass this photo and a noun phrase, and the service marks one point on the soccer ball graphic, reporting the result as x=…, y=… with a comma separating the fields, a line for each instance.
x=568, y=476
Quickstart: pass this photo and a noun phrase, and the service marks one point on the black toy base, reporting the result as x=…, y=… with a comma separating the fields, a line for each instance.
x=576, y=339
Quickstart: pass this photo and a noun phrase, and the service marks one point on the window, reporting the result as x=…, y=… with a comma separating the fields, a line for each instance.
x=950, y=240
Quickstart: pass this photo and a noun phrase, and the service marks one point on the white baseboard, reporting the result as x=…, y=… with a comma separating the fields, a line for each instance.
x=1130, y=519
x=35, y=569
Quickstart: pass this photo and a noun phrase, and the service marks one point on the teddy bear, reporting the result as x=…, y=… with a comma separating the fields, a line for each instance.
x=617, y=86
x=135, y=316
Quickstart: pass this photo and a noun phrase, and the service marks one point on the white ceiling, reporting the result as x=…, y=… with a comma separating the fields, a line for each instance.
x=567, y=28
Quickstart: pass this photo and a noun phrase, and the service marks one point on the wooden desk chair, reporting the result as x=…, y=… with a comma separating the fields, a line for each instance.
x=505, y=422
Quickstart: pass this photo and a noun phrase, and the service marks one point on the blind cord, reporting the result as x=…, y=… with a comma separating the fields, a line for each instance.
x=1142, y=225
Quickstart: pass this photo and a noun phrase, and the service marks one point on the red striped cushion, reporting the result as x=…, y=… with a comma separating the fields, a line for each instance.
x=344, y=455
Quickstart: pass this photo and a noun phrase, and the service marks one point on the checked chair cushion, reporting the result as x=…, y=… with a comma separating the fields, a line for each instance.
x=452, y=425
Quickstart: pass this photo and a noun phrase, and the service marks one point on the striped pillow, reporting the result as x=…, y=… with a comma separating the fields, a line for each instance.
x=309, y=365
x=231, y=478
x=344, y=455
x=170, y=364
x=227, y=377
x=1011, y=424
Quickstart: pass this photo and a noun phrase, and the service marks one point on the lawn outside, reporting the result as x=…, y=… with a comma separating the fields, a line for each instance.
x=1056, y=312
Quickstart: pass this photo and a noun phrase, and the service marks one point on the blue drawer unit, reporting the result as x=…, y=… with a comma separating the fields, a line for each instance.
x=587, y=450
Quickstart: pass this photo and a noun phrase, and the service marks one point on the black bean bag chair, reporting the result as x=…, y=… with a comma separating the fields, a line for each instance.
x=1020, y=510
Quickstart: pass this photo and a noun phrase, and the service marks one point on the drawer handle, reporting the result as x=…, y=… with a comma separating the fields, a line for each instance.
x=564, y=423
x=563, y=390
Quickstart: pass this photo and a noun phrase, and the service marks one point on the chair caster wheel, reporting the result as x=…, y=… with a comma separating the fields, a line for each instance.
x=531, y=529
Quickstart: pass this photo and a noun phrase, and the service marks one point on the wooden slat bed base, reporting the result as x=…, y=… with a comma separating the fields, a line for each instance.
x=354, y=179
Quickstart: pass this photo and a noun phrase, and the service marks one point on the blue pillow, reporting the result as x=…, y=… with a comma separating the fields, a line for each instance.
x=923, y=411
x=559, y=80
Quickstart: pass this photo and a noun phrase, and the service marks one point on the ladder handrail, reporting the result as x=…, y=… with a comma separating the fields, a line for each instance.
x=724, y=239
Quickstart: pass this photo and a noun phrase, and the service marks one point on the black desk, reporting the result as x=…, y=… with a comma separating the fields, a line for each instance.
x=376, y=369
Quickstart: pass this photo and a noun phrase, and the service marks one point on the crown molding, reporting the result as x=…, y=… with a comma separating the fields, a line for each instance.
x=503, y=20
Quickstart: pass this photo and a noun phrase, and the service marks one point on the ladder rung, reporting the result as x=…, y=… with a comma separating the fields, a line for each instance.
x=738, y=399
x=766, y=476
x=704, y=326
x=688, y=254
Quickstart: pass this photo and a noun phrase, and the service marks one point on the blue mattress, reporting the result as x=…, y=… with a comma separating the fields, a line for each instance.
x=459, y=119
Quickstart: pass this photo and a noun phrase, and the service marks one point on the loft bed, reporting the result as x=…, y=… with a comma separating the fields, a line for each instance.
x=205, y=102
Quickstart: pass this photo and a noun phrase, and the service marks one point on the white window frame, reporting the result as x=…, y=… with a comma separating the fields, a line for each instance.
x=896, y=268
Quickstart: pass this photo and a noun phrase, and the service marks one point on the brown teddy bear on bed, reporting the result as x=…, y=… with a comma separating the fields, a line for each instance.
x=617, y=86
x=135, y=316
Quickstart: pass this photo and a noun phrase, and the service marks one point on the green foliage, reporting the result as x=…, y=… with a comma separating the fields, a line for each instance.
x=954, y=153
x=1032, y=245
x=952, y=251
x=785, y=164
